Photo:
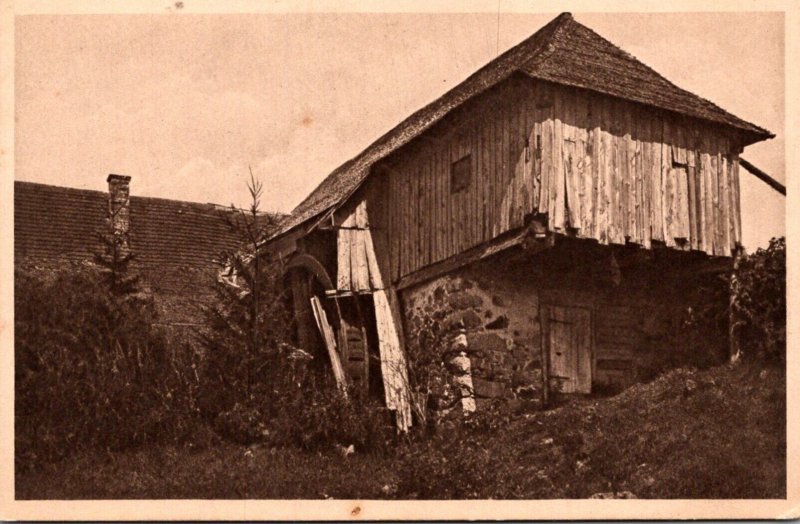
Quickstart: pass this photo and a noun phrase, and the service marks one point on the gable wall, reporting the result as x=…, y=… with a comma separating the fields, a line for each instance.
x=597, y=167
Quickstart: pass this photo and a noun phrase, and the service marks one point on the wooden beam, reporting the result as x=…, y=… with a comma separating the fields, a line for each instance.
x=511, y=239
x=771, y=182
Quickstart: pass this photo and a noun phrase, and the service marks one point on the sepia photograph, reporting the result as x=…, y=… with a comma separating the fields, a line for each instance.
x=396, y=254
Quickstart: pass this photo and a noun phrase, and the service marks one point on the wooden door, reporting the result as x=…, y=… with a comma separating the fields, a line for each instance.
x=570, y=348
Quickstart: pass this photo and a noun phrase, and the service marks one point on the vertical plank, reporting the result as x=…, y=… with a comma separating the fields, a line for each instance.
x=714, y=193
x=546, y=113
x=528, y=182
x=558, y=190
x=604, y=169
x=506, y=171
x=584, y=165
x=595, y=120
x=667, y=184
x=646, y=161
x=416, y=230
x=403, y=226
x=343, y=260
x=725, y=200
x=455, y=198
x=488, y=166
x=486, y=156
x=571, y=160
x=737, y=210
x=536, y=155
x=422, y=208
x=477, y=137
x=691, y=190
x=630, y=174
x=613, y=177
x=391, y=234
x=696, y=144
x=657, y=220
x=684, y=210
x=707, y=196
x=444, y=179
x=731, y=207
x=624, y=170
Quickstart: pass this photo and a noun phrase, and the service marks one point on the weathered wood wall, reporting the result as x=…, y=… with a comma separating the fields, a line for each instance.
x=596, y=166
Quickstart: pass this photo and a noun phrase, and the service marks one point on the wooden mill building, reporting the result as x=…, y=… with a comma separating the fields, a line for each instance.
x=559, y=209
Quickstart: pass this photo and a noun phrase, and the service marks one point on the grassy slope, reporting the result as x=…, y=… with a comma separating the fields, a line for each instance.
x=719, y=433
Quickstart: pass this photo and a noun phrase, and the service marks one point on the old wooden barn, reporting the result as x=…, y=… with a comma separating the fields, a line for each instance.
x=553, y=214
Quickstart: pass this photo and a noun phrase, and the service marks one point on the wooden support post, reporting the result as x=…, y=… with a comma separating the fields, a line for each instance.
x=302, y=313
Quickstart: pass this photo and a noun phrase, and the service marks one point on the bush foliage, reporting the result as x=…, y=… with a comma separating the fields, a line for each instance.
x=91, y=369
x=759, y=304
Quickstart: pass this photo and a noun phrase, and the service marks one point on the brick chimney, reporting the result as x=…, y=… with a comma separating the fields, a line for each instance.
x=119, y=209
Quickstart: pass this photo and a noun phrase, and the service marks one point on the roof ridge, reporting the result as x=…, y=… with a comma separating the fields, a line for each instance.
x=525, y=45
x=564, y=52
x=633, y=59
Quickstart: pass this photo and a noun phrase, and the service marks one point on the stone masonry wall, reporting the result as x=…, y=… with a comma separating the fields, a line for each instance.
x=500, y=319
x=638, y=319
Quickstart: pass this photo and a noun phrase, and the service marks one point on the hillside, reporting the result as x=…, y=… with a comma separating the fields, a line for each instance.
x=719, y=433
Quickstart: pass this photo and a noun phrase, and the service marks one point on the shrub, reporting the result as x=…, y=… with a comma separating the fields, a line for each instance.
x=91, y=369
x=759, y=305
x=255, y=385
x=317, y=415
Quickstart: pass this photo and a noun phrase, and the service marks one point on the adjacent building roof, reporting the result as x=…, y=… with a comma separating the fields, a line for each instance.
x=564, y=52
x=54, y=223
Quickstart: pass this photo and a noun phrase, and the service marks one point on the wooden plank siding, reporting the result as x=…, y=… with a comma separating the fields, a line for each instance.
x=597, y=167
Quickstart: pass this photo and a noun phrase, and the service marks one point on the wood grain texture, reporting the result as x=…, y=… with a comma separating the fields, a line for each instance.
x=595, y=167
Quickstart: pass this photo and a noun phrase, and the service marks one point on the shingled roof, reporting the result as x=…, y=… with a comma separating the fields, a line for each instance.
x=564, y=52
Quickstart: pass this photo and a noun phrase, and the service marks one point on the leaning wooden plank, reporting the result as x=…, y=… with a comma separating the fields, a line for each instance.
x=761, y=175
x=363, y=263
x=375, y=278
x=330, y=343
x=393, y=362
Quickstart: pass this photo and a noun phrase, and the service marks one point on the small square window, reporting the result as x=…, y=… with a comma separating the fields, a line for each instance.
x=460, y=174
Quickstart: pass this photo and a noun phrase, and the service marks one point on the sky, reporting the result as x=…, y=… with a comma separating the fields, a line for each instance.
x=185, y=103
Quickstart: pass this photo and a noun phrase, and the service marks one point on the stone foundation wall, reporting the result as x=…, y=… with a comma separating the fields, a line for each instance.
x=500, y=319
x=638, y=316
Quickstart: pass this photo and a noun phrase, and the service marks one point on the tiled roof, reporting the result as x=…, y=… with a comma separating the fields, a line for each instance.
x=176, y=243
x=564, y=52
x=52, y=222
